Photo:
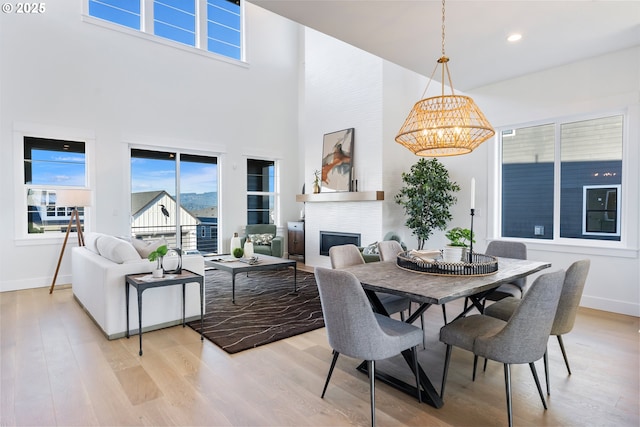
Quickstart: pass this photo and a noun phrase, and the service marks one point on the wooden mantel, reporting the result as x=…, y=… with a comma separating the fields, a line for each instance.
x=342, y=196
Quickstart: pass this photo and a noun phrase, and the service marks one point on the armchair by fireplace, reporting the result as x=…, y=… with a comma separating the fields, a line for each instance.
x=264, y=238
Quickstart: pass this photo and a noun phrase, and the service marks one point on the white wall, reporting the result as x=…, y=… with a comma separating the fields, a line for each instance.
x=60, y=75
x=343, y=90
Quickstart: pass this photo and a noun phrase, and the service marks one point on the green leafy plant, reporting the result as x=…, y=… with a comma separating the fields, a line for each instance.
x=157, y=255
x=426, y=196
x=459, y=237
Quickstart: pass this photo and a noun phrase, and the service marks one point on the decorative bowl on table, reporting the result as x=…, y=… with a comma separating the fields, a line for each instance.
x=482, y=264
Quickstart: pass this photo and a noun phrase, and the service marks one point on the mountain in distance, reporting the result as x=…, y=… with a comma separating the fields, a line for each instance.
x=194, y=202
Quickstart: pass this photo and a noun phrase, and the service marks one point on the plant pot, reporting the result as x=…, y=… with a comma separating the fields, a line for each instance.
x=453, y=253
x=157, y=273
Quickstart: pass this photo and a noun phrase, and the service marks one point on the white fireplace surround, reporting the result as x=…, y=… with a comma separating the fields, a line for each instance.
x=364, y=218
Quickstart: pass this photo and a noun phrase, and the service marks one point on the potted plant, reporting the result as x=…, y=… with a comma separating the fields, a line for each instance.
x=459, y=237
x=426, y=197
x=459, y=240
x=157, y=255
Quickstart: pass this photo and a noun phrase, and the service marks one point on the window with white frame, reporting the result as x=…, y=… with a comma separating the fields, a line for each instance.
x=211, y=25
x=51, y=165
x=262, y=197
x=563, y=180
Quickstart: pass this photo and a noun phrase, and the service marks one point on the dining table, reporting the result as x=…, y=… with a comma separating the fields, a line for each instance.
x=429, y=289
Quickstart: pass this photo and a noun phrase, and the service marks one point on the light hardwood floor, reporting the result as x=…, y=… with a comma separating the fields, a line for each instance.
x=58, y=369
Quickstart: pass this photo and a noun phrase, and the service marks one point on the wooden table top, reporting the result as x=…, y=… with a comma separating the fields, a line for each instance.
x=434, y=289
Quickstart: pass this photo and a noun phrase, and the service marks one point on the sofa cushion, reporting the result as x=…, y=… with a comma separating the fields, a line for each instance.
x=145, y=247
x=91, y=241
x=117, y=250
x=261, y=239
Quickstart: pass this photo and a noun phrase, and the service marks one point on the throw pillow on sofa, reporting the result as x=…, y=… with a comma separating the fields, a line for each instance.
x=91, y=241
x=145, y=247
x=261, y=239
x=117, y=250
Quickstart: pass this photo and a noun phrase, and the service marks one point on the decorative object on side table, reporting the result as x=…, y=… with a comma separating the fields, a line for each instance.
x=157, y=256
x=172, y=261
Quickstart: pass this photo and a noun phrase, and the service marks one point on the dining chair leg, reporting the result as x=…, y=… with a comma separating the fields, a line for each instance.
x=475, y=364
x=545, y=359
x=372, y=390
x=535, y=377
x=507, y=384
x=333, y=365
x=484, y=368
x=447, y=358
x=564, y=353
x=444, y=313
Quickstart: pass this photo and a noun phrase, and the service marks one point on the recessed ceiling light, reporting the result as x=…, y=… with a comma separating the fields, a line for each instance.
x=514, y=37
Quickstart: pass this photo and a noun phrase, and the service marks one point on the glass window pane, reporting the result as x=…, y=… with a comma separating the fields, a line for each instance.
x=260, y=180
x=153, y=187
x=175, y=20
x=123, y=12
x=223, y=27
x=527, y=182
x=591, y=155
x=54, y=162
x=199, y=201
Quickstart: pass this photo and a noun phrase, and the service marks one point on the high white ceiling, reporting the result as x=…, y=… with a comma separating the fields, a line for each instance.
x=409, y=33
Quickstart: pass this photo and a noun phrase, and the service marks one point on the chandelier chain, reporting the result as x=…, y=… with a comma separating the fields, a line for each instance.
x=443, y=27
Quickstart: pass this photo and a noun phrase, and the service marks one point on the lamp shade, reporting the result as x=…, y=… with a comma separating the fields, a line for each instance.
x=446, y=125
x=73, y=198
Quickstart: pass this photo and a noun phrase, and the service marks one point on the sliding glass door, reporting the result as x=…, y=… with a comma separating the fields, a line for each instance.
x=174, y=196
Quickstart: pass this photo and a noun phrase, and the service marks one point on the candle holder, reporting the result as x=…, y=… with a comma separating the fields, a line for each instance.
x=470, y=254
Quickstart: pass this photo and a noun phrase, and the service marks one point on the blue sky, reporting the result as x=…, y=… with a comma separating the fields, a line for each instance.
x=152, y=175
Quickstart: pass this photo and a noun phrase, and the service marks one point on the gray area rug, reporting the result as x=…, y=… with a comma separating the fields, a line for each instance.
x=266, y=308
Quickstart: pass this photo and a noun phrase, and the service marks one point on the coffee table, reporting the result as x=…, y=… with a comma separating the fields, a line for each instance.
x=265, y=262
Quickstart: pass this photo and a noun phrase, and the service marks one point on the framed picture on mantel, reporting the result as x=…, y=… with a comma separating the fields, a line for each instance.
x=337, y=157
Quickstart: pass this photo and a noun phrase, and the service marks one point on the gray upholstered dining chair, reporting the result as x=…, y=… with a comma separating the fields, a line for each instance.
x=342, y=256
x=517, y=288
x=507, y=249
x=389, y=250
x=353, y=329
x=565, y=317
x=521, y=339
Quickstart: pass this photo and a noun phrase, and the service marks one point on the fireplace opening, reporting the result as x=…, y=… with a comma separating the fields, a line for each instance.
x=329, y=239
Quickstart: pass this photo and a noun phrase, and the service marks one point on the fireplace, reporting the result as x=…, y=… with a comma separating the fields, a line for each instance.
x=334, y=238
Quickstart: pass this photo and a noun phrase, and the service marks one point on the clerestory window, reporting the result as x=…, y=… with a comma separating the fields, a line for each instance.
x=211, y=25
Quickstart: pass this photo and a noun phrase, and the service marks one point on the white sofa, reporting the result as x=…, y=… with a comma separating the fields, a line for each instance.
x=98, y=282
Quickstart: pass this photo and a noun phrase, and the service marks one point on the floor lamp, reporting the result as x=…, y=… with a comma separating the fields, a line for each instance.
x=76, y=198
